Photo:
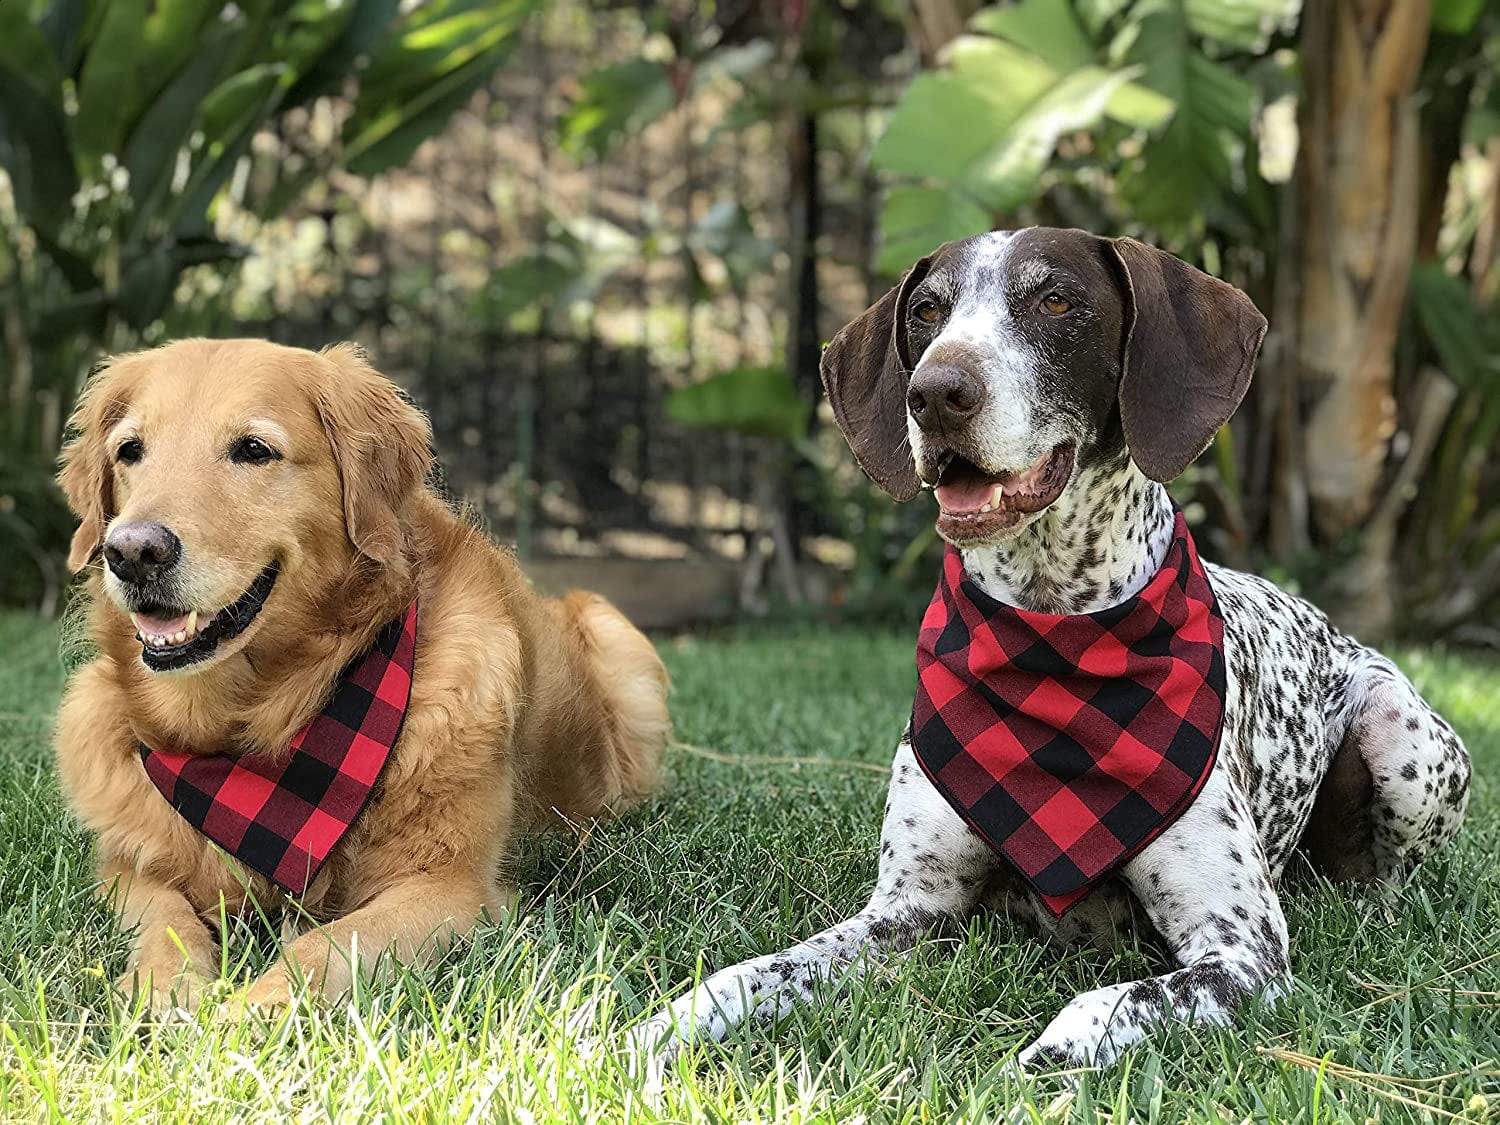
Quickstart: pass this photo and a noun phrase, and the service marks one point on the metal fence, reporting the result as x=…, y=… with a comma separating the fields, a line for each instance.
x=548, y=406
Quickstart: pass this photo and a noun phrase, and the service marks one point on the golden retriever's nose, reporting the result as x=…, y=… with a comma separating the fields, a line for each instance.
x=139, y=551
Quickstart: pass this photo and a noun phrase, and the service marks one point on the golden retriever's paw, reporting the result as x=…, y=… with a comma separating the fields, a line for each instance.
x=263, y=1000
x=167, y=995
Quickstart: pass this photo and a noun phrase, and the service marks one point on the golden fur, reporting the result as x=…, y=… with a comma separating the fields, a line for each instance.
x=521, y=705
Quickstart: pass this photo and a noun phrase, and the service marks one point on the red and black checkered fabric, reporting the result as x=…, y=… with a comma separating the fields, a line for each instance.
x=1069, y=742
x=282, y=814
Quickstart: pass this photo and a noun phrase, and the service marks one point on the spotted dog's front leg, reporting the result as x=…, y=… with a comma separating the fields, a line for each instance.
x=932, y=867
x=1206, y=887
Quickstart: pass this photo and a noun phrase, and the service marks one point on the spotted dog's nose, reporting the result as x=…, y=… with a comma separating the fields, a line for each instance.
x=140, y=551
x=944, y=396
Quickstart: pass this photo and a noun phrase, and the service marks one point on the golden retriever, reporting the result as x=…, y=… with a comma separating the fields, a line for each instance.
x=213, y=475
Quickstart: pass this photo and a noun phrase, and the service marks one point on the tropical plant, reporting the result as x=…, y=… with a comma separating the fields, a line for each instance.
x=1172, y=120
x=123, y=124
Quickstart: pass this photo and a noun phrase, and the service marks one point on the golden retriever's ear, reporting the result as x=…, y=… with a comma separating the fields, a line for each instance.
x=85, y=474
x=382, y=445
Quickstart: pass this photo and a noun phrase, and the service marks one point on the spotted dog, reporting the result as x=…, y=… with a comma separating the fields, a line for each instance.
x=1046, y=383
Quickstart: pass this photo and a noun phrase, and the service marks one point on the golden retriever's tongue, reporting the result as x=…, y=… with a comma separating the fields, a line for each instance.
x=161, y=626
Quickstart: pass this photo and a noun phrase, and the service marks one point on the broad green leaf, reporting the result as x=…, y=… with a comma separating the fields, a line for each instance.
x=1138, y=106
x=1452, y=323
x=1008, y=76
x=1244, y=24
x=1009, y=175
x=231, y=116
x=760, y=401
x=615, y=101
x=944, y=122
x=325, y=57
x=1096, y=14
x=1046, y=28
x=1188, y=163
x=441, y=54
x=64, y=24
x=25, y=51
x=172, y=36
x=916, y=220
x=109, y=88
x=989, y=125
x=34, y=150
x=150, y=154
x=1455, y=17
x=389, y=139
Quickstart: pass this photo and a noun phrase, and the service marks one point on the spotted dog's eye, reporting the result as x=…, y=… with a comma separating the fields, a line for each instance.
x=130, y=451
x=927, y=312
x=1055, y=304
x=252, y=451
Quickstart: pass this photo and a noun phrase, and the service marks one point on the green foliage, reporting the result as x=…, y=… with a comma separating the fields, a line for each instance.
x=1148, y=83
x=436, y=57
x=771, y=840
x=122, y=123
x=618, y=101
x=759, y=401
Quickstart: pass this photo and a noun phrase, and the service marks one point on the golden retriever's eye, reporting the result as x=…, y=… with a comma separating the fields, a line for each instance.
x=927, y=312
x=130, y=451
x=1055, y=304
x=252, y=451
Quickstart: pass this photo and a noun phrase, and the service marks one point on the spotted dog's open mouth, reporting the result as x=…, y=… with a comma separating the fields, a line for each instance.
x=977, y=505
x=172, y=637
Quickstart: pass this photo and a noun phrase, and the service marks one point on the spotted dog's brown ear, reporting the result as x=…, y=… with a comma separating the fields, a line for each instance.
x=1190, y=347
x=382, y=445
x=865, y=370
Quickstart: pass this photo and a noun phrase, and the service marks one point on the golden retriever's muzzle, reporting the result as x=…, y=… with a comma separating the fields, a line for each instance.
x=190, y=643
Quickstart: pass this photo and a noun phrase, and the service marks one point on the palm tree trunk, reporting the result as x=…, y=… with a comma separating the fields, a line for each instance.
x=1357, y=206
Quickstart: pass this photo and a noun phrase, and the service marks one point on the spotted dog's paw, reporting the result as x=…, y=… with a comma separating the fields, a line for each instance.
x=655, y=1043
x=1089, y=1033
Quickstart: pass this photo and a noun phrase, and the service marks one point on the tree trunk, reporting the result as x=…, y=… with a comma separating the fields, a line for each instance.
x=1357, y=207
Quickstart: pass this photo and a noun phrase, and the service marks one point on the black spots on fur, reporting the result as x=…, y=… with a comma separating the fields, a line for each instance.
x=1409, y=771
x=1227, y=819
x=1205, y=985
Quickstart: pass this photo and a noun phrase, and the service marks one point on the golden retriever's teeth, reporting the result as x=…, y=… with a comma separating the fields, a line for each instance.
x=192, y=625
x=178, y=637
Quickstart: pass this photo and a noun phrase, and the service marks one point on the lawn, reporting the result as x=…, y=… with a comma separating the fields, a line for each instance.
x=1401, y=998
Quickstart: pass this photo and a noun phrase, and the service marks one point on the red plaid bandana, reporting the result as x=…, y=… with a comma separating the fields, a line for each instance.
x=1069, y=742
x=283, y=814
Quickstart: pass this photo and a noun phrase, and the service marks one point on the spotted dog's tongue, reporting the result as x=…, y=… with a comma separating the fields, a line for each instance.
x=967, y=492
x=965, y=488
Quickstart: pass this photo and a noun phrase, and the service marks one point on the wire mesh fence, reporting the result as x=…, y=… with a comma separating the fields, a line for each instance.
x=541, y=303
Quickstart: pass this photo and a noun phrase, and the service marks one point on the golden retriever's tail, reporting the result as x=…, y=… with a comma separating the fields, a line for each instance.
x=632, y=683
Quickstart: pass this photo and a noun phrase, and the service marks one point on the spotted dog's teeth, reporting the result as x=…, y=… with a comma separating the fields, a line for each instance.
x=995, y=497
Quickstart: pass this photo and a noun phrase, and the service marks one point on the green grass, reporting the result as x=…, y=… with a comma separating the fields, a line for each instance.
x=737, y=859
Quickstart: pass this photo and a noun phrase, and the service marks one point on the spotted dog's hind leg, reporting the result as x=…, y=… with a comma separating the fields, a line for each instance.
x=1398, y=785
x=932, y=868
x=1206, y=886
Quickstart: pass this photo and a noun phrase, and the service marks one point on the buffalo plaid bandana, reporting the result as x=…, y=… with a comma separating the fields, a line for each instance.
x=1069, y=742
x=283, y=814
